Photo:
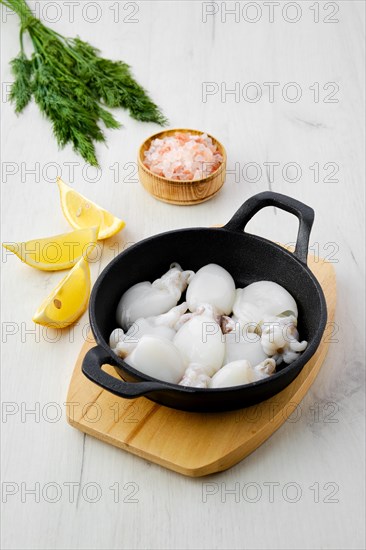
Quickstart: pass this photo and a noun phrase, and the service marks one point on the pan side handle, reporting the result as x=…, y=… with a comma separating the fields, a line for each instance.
x=304, y=213
x=92, y=368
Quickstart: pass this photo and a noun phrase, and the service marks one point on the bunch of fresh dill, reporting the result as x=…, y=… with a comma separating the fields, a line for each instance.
x=72, y=85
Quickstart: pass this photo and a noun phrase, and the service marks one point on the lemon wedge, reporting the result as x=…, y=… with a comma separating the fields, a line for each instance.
x=80, y=212
x=58, y=252
x=68, y=300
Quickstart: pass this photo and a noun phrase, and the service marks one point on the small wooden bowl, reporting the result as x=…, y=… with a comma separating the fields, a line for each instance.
x=181, y=192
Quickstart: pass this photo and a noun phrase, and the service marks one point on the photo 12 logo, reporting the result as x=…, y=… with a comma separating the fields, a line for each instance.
x=74, y=12
x=253, y=92
x=70, y=492
x=71, y=171
x=53, y=412
x=289, y=172
x=270, y=491
x=270, y=12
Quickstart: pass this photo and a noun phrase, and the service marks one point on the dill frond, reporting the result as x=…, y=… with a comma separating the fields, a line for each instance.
x=73, y=86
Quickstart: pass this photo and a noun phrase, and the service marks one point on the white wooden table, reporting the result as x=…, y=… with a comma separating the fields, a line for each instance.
x=304, y=487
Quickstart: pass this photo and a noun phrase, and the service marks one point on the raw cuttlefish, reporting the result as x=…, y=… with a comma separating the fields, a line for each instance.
x=262, y=299
x=160, y=325
x=212, y=285
x=157, y=357
x=242, y=372
x=220, y=337
x=195, y=376
x=280, y=339
x=150, y=299
x=242, y=343
x=200, y=341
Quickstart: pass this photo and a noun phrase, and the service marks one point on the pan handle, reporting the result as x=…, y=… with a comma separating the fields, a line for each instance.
x=92, y=368
x=304, y=213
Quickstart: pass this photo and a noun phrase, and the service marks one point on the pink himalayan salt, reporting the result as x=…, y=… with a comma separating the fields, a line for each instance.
x=183, y=156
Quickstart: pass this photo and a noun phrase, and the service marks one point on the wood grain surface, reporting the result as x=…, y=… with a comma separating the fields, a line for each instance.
x=311, y=149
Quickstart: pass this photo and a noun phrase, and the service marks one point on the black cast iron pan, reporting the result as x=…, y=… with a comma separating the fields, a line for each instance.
x=248, y=258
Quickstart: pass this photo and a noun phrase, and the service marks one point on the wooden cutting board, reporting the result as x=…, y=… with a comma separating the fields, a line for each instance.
x=193, y=444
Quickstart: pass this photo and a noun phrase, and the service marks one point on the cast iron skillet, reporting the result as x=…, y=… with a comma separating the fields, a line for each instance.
x=248, y=258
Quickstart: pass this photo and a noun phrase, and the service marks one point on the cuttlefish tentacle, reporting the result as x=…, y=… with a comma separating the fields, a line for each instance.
x=175, y=280
x=280, y=339
x=171, y=317
x=148, y=299
x=266, y=367
x=160, y=325
x=196, y=376
x=203, y=309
